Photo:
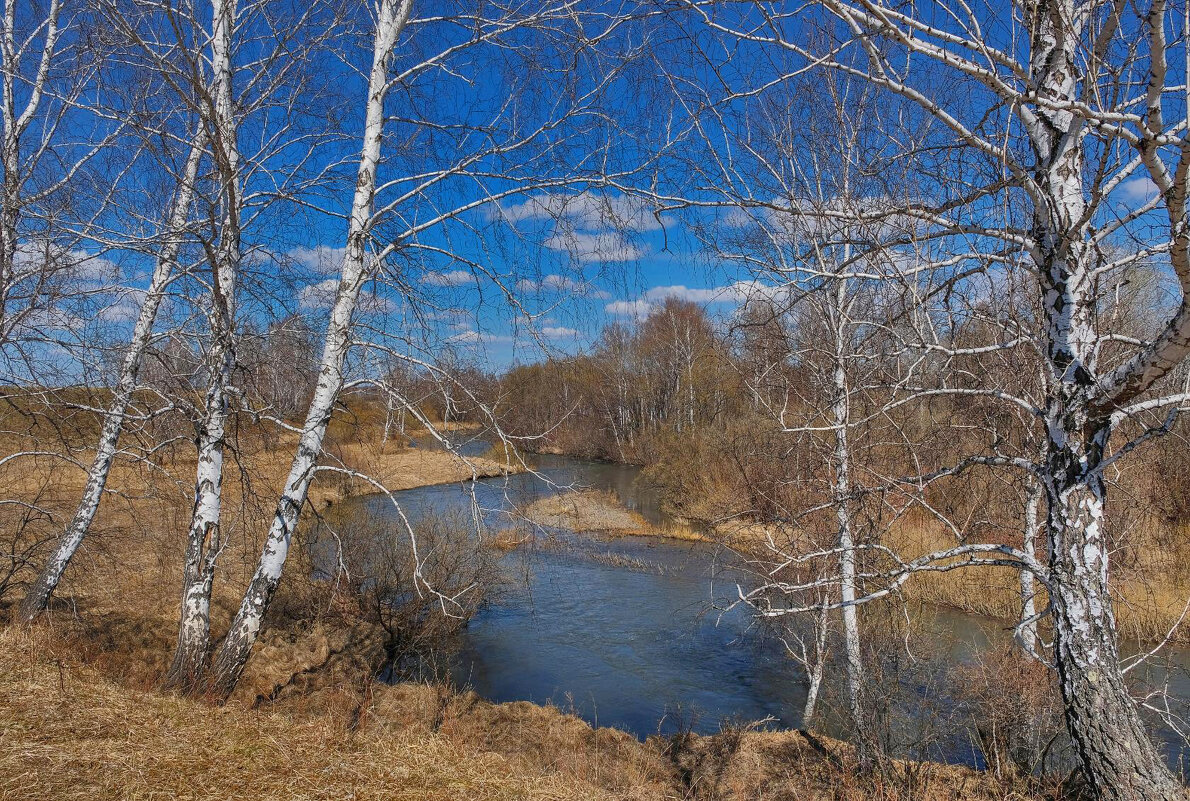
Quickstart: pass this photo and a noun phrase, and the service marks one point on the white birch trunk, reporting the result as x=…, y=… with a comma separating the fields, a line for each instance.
x=817, y=667
x=203, y=541
x=15, y=126
x=38, y=595
x=237, y=646
x=1028, y=631
x=388, y=416
x=841, y=414
x=1118, y=760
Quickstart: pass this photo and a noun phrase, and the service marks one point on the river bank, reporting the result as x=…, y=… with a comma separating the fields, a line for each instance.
x=310, y=689
x=72, y=732
x=1151, y=577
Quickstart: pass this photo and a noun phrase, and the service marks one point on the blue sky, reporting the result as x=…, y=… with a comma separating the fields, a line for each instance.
x=547, y=267
x=580, y=260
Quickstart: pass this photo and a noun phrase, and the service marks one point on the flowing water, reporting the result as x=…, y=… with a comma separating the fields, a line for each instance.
x=640, y=632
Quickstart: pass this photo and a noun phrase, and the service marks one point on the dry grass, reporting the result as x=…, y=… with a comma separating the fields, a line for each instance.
x=69, y=733
x=589, y=510
x=1150, y=589
x=739, y=765
x=405, y=469
x=601, y=512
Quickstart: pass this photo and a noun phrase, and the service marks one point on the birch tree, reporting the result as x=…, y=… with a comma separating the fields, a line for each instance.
x=224, y=255
x=185, y=80
x=52, y=68
x=44, y=73
x=508, y=157
x=788, y=185
x=1053, y=113
x=282, y=45
x=391, y=18
x=55, y=218
x=164, y=271
x=191, y=54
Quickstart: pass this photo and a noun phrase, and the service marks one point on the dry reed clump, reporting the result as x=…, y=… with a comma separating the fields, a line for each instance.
x=295, y=663
x=989, y=591
x=70, y=734
x=509, y=539
x=1151, y=586
x=742, y=765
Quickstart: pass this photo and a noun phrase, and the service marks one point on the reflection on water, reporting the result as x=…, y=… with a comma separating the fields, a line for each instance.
x=636, y=632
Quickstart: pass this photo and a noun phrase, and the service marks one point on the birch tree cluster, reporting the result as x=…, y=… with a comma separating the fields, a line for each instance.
x=219, y=216
x=957, y=236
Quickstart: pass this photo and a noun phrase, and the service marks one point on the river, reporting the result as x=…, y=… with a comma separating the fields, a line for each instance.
x=639, y=633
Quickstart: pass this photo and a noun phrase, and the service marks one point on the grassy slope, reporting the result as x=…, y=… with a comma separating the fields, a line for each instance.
x=70, y=733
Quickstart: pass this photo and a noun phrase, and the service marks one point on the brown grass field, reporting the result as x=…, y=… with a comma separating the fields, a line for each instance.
x=71, y=731
x=82, y=716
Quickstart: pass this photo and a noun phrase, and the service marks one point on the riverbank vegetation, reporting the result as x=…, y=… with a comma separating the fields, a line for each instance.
x=82, y=714
x=72, y=730
x=684, y=396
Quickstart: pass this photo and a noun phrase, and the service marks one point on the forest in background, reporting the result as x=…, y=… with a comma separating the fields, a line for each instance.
x=699, y=402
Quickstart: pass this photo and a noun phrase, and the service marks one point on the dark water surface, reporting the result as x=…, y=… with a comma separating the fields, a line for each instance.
x=637, y=633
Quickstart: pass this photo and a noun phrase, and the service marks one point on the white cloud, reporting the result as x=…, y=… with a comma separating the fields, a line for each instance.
x=318, y=296
x=372, y=303
x=319, y=259
x=585, y=211
x=629, y=308
x=787, y=222
x=94, y=271
x=450, y=278
x=470, y=335
x=737, y=292
x=453, y=316
x=561, y=283
x=1139, y=190
x=473, y=337
x=740, y=217
x=660, y=293
x=603, y=246
x=124, y=310
x=558, y=332
x=321, y=295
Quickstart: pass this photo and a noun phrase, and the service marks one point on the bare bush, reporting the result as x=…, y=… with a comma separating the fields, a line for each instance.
x=363, y=567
